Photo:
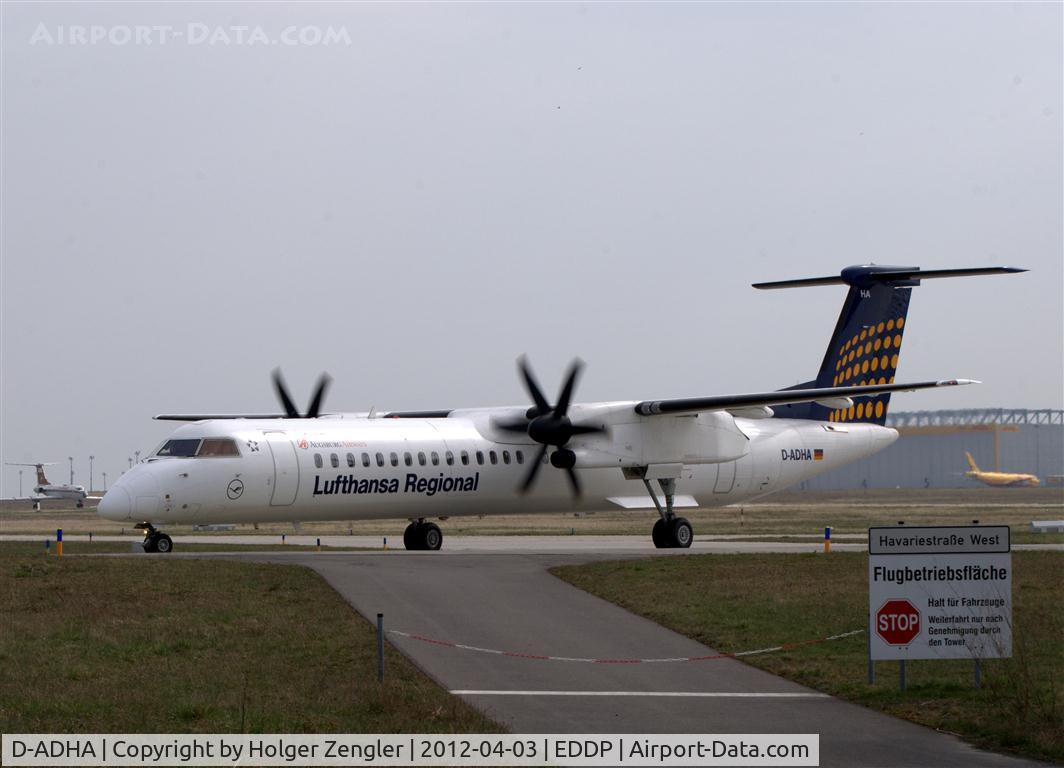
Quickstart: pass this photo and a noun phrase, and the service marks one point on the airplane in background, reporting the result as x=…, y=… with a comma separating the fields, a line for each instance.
x=47, y=490
x=547, y=457
x=1000, y=479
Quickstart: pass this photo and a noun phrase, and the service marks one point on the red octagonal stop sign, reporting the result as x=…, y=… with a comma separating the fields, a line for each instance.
x=898, y=622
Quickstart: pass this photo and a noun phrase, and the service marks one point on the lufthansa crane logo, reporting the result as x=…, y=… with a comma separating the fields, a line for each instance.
x=235, y=489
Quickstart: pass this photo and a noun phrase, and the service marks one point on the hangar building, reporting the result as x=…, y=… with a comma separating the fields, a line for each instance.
x=930, y=450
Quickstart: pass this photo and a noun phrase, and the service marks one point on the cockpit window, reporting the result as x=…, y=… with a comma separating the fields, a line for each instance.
x=218, y=446
x=179, y=447
x=186, y=447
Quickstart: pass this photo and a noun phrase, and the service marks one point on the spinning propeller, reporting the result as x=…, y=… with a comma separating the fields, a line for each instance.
x=315, y=402
x=549, y=425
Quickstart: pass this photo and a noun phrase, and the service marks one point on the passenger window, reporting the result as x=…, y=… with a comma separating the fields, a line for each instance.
x=520, y=457
x=365, y=459
x=465, y=457
x=317, y=461
x=394, y=458
x=480, y=457
x=350, y=459
x=450, y=459
x=218, y=446
x=380, y=459
x=493, y=457
x=505, y=457
x=408, y=459
x=334, y=460
x=435, y=459
x=421, y=458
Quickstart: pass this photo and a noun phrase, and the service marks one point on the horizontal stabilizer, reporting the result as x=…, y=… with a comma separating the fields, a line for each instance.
x=863, y=276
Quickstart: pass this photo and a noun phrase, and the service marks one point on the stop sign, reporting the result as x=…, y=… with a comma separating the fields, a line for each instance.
x=898, y=622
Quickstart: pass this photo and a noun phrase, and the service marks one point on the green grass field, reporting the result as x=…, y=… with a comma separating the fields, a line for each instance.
x=741, y=602
x=183, y=645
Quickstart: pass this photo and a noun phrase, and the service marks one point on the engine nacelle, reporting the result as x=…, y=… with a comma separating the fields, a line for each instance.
x=703, y=438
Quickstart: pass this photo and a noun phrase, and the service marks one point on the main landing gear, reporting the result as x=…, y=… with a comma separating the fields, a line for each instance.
x=422, y=535
x=155, y=540
x=670, y=532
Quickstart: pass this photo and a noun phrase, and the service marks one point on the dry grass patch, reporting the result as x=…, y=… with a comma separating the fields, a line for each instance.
x=183, y=645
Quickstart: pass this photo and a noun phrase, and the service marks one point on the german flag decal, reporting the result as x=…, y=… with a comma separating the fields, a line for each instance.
x=818, y=454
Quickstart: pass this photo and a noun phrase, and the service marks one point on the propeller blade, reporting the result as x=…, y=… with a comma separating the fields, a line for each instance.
x=574, y=481
x=282, y=395
x=319, y=394
x=511, y=425
x=533, y=470
x=533, y=388
x=567, y=391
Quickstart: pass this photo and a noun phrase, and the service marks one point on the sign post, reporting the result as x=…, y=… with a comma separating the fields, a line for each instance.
x=939, y=593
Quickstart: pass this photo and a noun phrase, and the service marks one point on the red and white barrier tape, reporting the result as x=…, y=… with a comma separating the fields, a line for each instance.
x=536, y=657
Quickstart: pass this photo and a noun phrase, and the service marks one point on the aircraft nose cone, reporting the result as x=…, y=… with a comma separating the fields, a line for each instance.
x=115, y=504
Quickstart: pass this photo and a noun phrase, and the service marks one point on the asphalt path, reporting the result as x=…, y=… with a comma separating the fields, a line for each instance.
x=625, y=674
x=532, y=545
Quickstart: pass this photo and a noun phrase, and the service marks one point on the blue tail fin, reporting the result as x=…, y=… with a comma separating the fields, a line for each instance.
x=866, y=345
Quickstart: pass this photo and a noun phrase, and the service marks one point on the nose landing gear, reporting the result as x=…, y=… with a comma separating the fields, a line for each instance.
x=420, y=535
x=154, y=539
x=670, y=532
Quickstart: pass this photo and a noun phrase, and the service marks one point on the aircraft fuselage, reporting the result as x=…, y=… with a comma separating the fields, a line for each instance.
x=349, y=469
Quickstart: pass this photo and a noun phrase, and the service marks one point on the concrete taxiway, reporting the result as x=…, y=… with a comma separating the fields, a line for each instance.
x=484, y=626
x=534, y=545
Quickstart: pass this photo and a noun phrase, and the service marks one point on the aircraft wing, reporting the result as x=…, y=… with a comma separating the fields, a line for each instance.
x=437, y=414
x=782, y=397
x=212, y=416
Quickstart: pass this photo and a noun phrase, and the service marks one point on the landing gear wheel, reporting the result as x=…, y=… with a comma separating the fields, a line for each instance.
x=80, y=505
x=163, y=543
x=149, y=543
x=660, y=535
x=422, y=535
x=680, y=533
x=430, y=536
x=410, y=537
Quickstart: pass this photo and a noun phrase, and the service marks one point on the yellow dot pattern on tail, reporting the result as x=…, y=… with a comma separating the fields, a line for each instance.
x=861, y=358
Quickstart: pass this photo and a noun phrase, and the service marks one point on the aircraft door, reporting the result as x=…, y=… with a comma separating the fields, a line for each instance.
x=285, y=469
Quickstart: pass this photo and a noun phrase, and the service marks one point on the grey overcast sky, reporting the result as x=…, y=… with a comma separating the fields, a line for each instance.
x=445, y=186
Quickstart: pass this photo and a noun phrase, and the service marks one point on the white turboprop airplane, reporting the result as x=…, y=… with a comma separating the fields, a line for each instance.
x=47, y=490
x=718, y=450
